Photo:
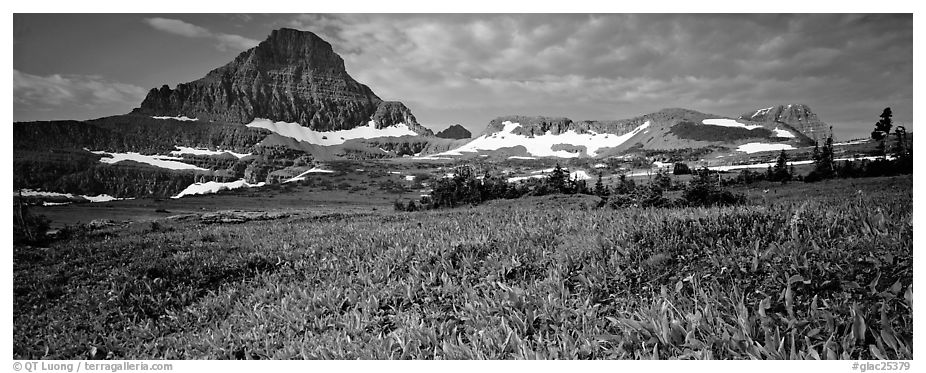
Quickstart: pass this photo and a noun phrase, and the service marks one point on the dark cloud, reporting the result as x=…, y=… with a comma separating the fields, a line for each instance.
x=844, y=66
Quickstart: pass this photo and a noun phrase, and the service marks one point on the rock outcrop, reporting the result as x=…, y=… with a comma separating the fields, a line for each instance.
x=539, y=125
x=797, y=116
x=455, y=131
x=292, y=76
x=390, y=113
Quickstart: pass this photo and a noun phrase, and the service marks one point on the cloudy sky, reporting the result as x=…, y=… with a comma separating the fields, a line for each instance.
x=469, y=69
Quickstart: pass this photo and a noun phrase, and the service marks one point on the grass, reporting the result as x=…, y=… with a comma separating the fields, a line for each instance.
x=809, y=275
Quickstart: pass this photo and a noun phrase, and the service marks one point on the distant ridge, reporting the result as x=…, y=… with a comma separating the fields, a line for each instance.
x=665, y=130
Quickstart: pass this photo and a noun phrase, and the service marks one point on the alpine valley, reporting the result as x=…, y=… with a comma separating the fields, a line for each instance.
x=277, y=208
x=287, y=108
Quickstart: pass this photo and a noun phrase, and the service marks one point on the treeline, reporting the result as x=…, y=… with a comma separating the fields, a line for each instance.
x=895, y=155
x=122, y=181
x=133, y=133
x=465, y=188
x=33, y=169
x=680, y=155
x=893, y=160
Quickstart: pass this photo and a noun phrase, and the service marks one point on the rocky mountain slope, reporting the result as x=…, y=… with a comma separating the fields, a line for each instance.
x=455, y=131
x=292, y=76
x=797, y=116
x=665, y=130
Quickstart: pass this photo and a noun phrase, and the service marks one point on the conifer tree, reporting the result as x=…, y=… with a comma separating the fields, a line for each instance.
x=823, y=160
x=780, y=172
x=558, y=179
x=901, y=148
x=882, y=130
x=600, y=189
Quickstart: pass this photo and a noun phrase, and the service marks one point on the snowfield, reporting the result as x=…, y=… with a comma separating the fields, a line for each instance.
x=181, y=118
x=213, y=187
x=542, y=145
x=755, y=165
x=39, y=193
x=580, y=174
x=302, y=176
x=327, y=138
x=520, y=157
x=658, y=164
x=99, y=198
x=755, y=147
x=199, y=151
x=104, y=198
x=728, y=123
x=154, y=160
x=783, y=133
x=772, y=164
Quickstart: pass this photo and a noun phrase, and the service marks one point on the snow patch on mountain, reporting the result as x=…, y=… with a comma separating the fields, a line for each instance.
x=755, y=147
x=302, y=176
x=580, y=175
x=328, y=138
x=764, y=111
x=214, y=187
x=795, y=163
x=103, y=198
x=783, y=133
x=728, y=123
x=99, y=198
x=542, y=145
x=199, y=151
x=183, y=118
x=39, y=193
x=154, y=160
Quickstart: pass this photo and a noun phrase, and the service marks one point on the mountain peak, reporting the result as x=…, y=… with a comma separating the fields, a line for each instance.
x=798, y=116
x=455, y=131
x=287, y=46
x=292, y=76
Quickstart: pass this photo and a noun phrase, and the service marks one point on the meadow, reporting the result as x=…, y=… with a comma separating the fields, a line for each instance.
x=801, y=271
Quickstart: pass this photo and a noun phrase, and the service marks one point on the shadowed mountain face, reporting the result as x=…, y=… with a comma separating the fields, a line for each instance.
x=455, y=131
x=292, y=76
x=797, y=116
